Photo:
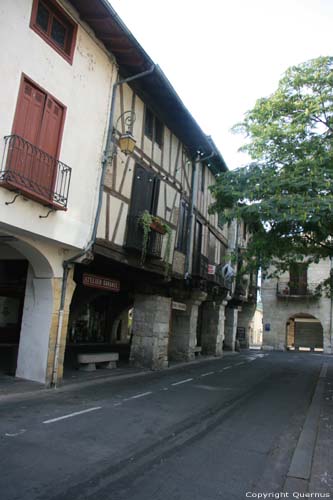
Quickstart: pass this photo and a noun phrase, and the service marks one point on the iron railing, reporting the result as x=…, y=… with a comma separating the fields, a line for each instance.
x=219, y=279
x=134, y=238
x=29, y=170
x=286, y=288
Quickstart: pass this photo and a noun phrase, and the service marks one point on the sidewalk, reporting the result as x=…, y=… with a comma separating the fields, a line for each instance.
x=12, y=388
x=311, y=468
x=321, y=480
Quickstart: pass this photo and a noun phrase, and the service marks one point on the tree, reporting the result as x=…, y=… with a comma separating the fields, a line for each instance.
x=285, y=194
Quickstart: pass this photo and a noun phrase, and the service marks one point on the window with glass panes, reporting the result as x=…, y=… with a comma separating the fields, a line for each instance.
x=50, y=21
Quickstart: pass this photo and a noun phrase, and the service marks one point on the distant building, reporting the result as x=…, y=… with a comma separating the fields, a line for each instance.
x=297, y=316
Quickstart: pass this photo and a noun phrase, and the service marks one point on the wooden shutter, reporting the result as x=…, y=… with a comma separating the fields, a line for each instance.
x=298, y=278
x=197, y=247
x=29, y=112
x=51, y=128
x=38, y=120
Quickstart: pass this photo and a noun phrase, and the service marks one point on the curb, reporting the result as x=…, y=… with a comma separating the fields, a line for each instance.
x=111, y=378
x=301, y=463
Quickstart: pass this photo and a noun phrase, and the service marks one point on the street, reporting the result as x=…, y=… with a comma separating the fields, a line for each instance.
x=211, y=430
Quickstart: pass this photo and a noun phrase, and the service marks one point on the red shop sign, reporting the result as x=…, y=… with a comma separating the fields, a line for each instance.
x=101, y=282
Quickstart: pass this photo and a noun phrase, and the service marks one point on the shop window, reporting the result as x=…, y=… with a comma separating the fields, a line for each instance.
x=52, y=24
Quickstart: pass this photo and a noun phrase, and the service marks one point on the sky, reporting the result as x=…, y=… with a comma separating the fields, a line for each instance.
x=223, y=55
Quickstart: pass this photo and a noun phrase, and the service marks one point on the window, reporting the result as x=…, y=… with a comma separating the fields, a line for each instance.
x=183, y=227
x=54, y=26
x=220, y=222
x=153, y=128
x=202, y=179
x=298, y=273
x=211, y=248
x=34, y=145
x=145, y=192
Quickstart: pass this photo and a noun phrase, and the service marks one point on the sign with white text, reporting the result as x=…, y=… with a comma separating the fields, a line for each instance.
x=101, y=282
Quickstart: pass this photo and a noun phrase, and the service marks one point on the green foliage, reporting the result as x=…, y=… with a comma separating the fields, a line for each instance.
x=285, y=194
x=146, y=220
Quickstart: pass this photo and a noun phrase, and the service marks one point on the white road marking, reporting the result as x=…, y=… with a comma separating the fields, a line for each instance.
x=137, y=396
x=239, y=364
x=182, y=381
x=117, y=404
x=227, y=368
x=71, y=415
x=21, y=431
x=206, y=374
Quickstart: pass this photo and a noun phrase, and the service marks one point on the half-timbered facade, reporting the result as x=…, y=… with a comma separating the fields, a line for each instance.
x=101, y=249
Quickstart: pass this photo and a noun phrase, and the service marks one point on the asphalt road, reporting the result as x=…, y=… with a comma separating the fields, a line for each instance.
x=214, y=430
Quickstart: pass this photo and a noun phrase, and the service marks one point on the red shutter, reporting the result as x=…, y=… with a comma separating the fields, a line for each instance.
x=51, y=127
x=38, y=120
x=29, y=112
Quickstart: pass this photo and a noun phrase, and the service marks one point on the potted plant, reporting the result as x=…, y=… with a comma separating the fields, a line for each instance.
x=149, y=223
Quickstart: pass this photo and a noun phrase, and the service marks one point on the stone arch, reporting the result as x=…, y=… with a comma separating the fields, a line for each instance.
x=33, y=347
x=304, y=332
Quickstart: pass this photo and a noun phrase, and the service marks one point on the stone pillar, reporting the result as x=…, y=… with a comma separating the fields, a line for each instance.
x=213, y=327
x=57, y=286
x=151, y=324
x=230, y=328
x=183, y=338
x=40, y=326
x=245, y=320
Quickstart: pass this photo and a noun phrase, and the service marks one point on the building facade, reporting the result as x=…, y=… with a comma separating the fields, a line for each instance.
x=53, y=134
x=297, y=313
x=101, y=248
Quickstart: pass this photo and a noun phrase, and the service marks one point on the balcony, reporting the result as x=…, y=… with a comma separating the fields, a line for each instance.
x=134, y=239
x=218, y=279
x=287, y=289
x=33, y=173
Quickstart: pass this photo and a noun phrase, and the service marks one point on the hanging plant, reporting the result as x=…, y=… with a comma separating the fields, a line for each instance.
x=145, y=221
x=150, y=223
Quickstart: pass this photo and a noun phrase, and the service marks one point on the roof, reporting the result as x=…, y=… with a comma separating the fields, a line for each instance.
x=155, y=89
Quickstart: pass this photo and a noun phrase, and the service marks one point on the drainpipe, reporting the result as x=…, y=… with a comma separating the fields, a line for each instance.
x=108, y=155
x=190, y=230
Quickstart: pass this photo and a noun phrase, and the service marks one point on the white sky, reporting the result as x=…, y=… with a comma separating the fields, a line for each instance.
x=222, y=55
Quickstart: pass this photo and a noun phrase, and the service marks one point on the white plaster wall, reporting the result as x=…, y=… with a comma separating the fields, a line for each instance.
x=277, y=311
x=84, y=88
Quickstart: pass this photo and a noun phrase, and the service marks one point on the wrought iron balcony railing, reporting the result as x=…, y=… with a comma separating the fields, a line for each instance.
x=296, y=289
x=134, y=238
x=34, y=173
x=219, y=279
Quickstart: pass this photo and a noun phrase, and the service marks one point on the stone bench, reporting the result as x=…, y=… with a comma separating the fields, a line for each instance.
x=88, y=361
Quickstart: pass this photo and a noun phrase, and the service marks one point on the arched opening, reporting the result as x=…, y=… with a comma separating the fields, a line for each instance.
x=304, y=332
x=26, y=300
x=99, y=321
